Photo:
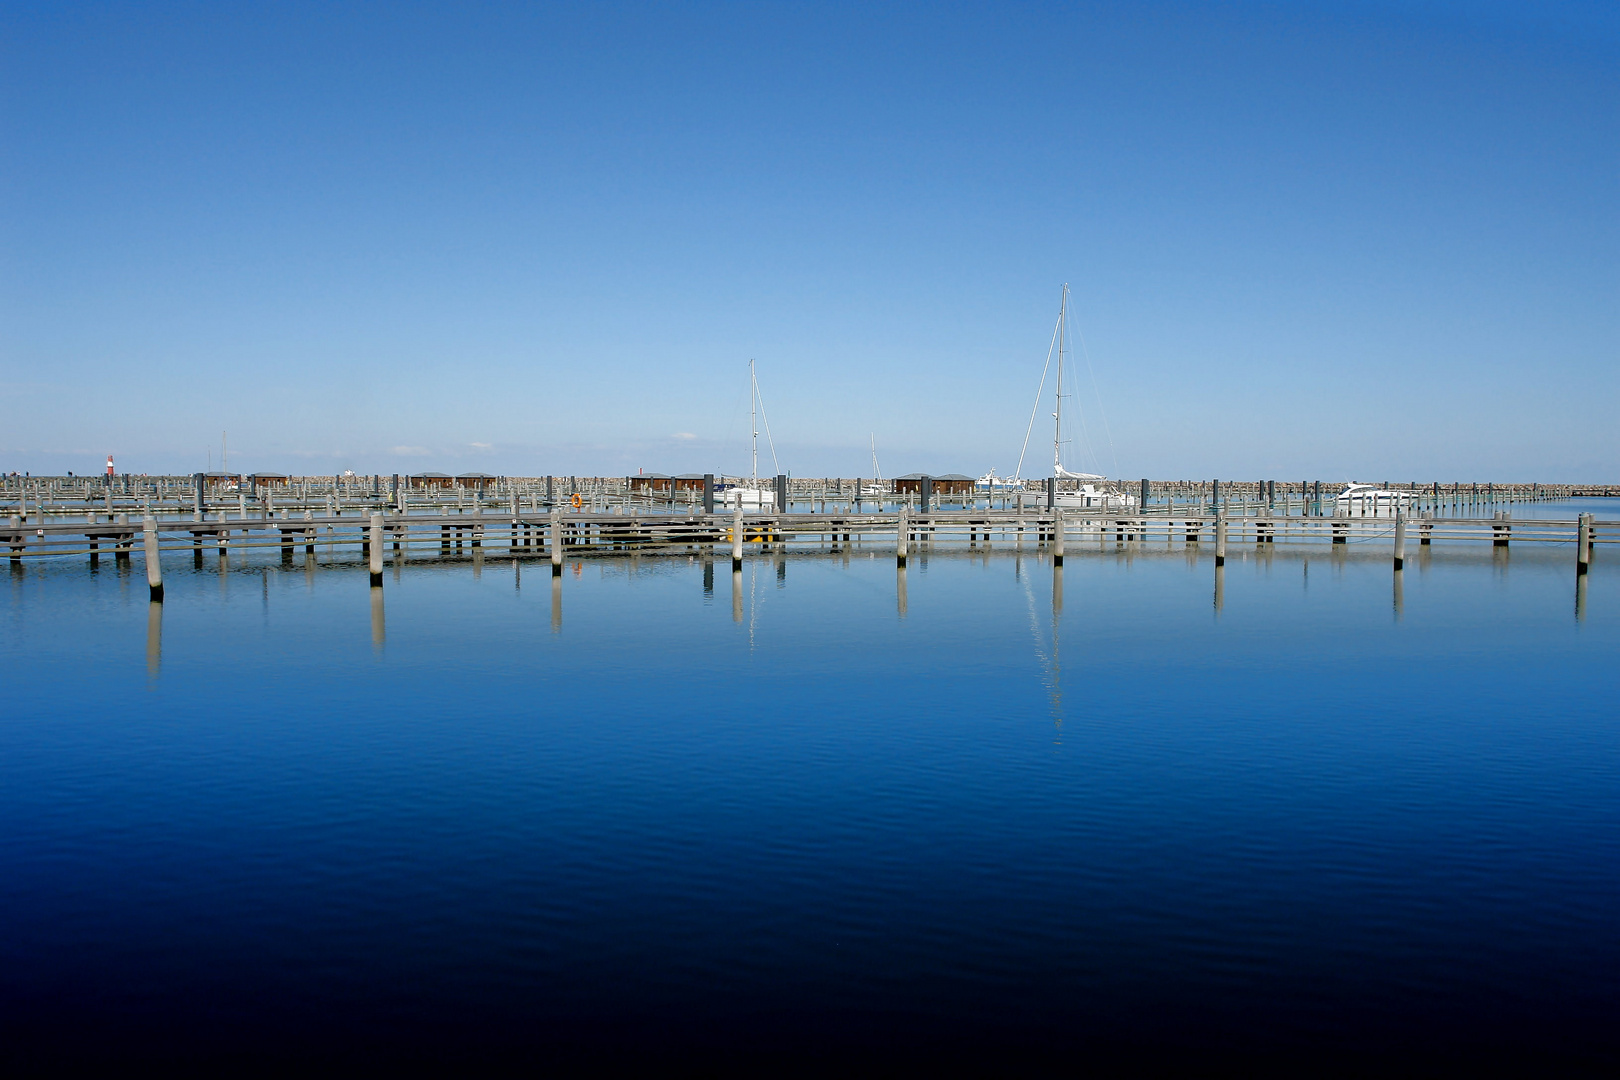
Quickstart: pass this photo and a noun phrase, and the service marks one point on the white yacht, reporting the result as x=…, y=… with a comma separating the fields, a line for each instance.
x=991, y=482
x=1370, y=500
x=749, y=498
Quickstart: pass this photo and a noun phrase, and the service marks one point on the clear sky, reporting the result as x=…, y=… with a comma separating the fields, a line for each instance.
x=1304, y=240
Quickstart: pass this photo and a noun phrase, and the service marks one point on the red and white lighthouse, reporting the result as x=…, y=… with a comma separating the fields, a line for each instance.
x=109, y=465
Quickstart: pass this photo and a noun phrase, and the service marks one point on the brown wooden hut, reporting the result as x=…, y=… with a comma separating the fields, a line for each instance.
x=268, y=480
x=944, y=484
x=430, y=481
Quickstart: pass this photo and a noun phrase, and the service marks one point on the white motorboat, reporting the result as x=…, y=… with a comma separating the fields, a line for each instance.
x=749, y=498
x=1370, y=500
x=991, y=482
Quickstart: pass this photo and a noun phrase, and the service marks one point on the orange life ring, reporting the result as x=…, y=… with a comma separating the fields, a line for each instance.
x=577, y=502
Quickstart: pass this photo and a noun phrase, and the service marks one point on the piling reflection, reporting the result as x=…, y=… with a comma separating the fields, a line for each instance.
x=708, y=577
x=1580, y=598
x=1400, y=594
x=154, y=637
x=900, y=590
x=556, y=604
x=379, y=629
x=736, y=596
x=1057, y=591
x=1220, y=588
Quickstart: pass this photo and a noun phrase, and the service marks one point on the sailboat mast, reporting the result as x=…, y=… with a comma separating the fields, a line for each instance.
x=753, y=421
x=1057, y=416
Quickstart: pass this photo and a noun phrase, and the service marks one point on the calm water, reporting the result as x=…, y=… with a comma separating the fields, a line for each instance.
x=799, y=816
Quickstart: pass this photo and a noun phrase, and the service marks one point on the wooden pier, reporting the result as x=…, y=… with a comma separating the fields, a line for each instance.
x=548, y=518
x=586, y=533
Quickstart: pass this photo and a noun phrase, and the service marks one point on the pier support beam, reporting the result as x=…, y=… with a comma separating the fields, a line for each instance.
x=556, y=543
x=1400, y=540
x=1583, y=545
x=154, y=565
x=376, y=550
x=900, y=539
x=737, y=536
x=1220, y=539
x=1057, y=539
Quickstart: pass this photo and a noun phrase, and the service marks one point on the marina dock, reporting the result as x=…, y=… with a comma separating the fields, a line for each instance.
x=557, y=518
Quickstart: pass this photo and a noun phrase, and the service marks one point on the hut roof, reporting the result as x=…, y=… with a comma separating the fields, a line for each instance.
x=475, y=476
x=953, y=476
x=268, y=475
x=434, y=475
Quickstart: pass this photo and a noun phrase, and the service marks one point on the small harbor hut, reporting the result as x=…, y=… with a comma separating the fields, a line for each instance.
x=663, y=482
x=268, y=480
x=944, y=483
x=475, y=480
x=217, y=479
x=430, y=481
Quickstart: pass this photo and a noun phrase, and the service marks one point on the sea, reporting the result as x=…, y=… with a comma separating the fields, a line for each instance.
x=818, y=813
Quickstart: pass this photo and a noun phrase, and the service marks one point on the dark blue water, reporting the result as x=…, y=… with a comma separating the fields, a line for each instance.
x=796, y=818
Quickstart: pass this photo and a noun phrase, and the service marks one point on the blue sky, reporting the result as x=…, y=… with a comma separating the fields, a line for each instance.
x=1305, y=240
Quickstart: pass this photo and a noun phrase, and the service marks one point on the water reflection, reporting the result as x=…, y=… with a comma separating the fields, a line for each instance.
x=1220, y=588
x=154, y=637
x=900, y=590
x=736, y=595
x=1400, y=595
x=379, y=629
x=556, y=604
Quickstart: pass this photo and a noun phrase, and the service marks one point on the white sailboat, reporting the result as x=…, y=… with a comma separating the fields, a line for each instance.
x=876, y=486
x=1091, y=491
x=751, y=496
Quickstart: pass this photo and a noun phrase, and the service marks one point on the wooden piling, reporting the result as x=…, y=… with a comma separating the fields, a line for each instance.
x=1400, y=540
x=1057, y=538
x=154, y=565
x=737, y=537
x=556, y=543
x=1220, y=538
x=376, y=553
x=900, y=539
x=1583, y=544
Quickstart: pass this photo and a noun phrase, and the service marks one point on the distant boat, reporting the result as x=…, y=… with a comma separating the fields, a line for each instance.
x=1092, y=491
x=745, y=497
x=991, y=482
x=1370, y=500
x=876, y=486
